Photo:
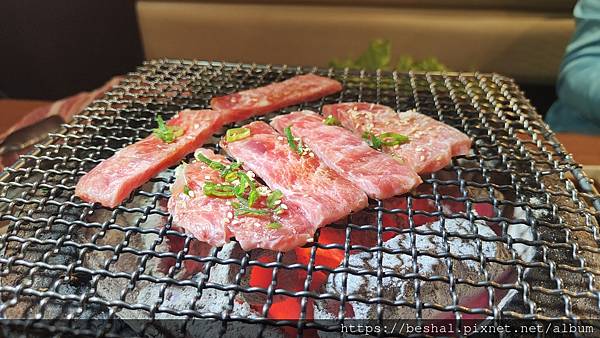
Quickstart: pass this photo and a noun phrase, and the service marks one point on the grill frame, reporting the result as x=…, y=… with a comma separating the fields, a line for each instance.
x=205, y=79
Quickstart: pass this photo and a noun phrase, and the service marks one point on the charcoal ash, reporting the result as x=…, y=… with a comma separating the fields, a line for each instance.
x=399, y=265
x=175, y=298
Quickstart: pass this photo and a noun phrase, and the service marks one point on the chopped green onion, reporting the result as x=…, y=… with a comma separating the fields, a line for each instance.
x=273, y=198
x=236, y=134
x=243, y=210
x=230, y=176
x=244, y=182
x=247, y=181
x=166, y=133
x=210, y=163
x=186, y=190
x=242, y=200
x=244, y=190
x=235, y=165
x=331, y=121
x=274, y=225
x=218, y=190
x=239, y=189
x=372, y=140
x=290, y=138
x=391, y=139
x=229, y=173
x=252, y=197
x=388, y=139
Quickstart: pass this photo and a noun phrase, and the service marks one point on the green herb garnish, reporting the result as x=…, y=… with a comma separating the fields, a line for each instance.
x=372, y=139
x=274, y=225
x=218, y=190
x=241, y=209
x=230, y=172
x=252, y=197
x=391, y=139
x=186, y=190
x=331, y=121
x=236, y=134
x=210, y=163
x=241, y=186
x=297, y=147
x=273, y=198
x=166, y=133
x=240, y=189
x=387, y=139
x=230, y=176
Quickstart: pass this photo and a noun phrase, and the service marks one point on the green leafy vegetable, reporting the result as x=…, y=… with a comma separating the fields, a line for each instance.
x=430, y=64
x=236, y=134
x=166, y=133
x=331, y=121
x=379, y=56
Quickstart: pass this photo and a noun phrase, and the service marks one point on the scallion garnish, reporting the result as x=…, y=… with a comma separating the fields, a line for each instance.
x=274, y=225
x=230, y=172
x=391, y=139
x=291, y=141
x=242, y=187
x=331, y=121
x=217, y=190
x=166, y=133
x=274, y=198
x=230, y=176
x=247, y=211
x=236, y=134
x=210, y=163
x=252, y=197
x=386, y=139
x=186, y=190
x=373, y=141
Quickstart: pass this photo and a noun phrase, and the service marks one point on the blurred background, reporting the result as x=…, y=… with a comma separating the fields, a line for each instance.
x=74, y=46
x=61, y=48
x=56, y=49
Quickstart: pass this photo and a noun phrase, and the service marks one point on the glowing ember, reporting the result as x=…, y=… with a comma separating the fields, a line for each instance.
x=293, y=280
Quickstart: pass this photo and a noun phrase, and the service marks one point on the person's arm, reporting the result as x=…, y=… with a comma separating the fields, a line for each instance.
x=579, y=79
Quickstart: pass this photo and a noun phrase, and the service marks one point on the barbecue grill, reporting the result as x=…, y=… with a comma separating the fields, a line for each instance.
x=129, y=271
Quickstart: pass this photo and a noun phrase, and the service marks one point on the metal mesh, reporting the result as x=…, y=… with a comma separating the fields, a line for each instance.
x=63, y=258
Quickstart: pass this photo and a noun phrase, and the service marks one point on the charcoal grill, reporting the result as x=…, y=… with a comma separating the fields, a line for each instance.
x=62, y=258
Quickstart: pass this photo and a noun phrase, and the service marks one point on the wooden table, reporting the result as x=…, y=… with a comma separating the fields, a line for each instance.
x=13, y=110
x=585, y=148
